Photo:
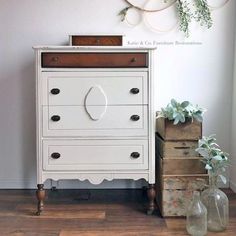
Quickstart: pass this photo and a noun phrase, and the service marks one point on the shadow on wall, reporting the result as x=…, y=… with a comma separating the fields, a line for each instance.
x=17, y=139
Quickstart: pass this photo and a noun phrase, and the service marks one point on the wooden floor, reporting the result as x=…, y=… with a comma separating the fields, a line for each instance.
x=85, y=213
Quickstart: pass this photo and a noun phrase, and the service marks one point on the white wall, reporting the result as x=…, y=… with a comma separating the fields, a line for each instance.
x=201, y=74
x=233, y=133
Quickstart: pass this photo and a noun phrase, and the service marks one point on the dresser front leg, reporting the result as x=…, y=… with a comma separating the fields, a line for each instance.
x=151, y=193
x=40, y=193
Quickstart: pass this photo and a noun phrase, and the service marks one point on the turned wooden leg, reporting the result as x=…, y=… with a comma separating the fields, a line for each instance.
x=151, y=193
x=40, y=193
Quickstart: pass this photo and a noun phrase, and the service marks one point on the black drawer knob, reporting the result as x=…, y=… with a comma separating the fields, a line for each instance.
x=135, y=117
x=55, y=118
x=135, y=155
x=134, y=90
x=55, y=155
x=133, y=59
x=55, y=91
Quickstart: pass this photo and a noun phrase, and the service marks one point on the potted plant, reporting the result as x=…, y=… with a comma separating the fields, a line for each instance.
x=213, y=198
x=180, y=121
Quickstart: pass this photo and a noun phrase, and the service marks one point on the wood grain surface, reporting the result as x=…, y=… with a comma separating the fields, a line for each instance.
x=172, y=149
x=182, y=131
x=88, y=213
x=94, y=60
x=96, y=40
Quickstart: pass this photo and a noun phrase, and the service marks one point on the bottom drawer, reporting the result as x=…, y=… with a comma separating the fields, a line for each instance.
x=95, y=155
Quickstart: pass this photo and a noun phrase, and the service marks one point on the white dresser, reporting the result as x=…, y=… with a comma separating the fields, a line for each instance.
x=95, y=115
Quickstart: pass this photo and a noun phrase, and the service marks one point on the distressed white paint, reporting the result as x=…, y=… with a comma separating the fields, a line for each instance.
x=200, y=73
x=117, y=135
x=95, y=155
x=72, y=94
x=96, y=102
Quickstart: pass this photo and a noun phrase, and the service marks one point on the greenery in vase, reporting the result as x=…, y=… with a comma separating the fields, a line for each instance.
x=213, y=157
x=180, y=112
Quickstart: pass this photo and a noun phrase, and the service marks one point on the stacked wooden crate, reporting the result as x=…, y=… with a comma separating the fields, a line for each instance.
x=179, y=170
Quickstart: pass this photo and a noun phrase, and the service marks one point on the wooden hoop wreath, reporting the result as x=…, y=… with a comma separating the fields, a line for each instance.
x=146, y=11
x=164, y=8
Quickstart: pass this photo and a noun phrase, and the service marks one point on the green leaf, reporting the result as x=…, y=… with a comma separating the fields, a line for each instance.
x=203, y=152
x=208, y=167
x=173, y=102
x=217, y=158
x=176, y=121
x=184, y=104
x=182, y=118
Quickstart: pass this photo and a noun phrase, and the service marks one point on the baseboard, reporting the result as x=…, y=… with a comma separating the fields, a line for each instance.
x=232, y=185
x=71, y=184
x=17, y=184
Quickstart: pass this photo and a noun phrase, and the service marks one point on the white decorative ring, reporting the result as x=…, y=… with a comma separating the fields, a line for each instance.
x=218, y=7
x=129, y=21
x=151, y=27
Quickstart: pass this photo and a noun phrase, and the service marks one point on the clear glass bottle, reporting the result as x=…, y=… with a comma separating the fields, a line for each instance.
x=196, y=216
x=217, y=205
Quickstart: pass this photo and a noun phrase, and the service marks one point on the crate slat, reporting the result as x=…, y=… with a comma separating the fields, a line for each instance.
x=182, y=131
x=182, y=166
x=172, y=149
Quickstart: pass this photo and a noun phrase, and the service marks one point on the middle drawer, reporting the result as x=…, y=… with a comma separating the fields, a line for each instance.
x=99, y=88
x=95, y=121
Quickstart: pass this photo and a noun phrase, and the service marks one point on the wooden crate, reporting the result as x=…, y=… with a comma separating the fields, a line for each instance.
x=182, y=131
x=174, y=191
x=96, y=40
x=172, y=149
x=174, y=202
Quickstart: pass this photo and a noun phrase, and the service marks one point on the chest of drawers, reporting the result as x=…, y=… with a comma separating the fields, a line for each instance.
x=95, y=115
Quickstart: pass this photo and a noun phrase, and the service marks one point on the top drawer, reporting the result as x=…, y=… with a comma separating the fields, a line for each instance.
x=94, y=60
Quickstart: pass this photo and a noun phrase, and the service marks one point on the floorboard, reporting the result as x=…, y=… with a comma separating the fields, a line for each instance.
x=91, y=212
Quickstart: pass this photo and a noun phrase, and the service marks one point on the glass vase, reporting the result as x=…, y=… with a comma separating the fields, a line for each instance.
x=217, y=205
x=196, y=217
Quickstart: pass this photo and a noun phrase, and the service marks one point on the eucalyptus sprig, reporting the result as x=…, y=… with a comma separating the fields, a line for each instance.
x=185, y=16
x=179, y=112
x=202, y=13
x=213, y=157
x=123, y=13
